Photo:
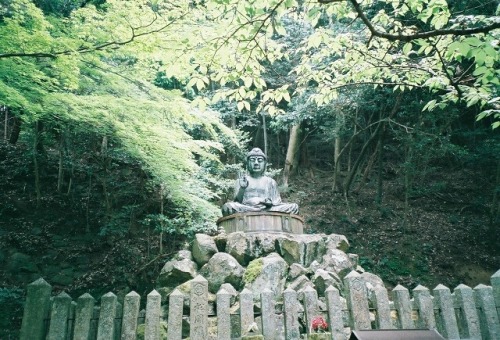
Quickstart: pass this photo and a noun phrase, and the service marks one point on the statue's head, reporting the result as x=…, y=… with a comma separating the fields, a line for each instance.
x=256, y=161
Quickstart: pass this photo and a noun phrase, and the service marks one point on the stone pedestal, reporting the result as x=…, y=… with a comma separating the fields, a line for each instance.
x=262, y=222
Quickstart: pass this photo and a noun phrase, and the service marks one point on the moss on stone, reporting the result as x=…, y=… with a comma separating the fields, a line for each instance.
x=253, y=270
x=142, y=328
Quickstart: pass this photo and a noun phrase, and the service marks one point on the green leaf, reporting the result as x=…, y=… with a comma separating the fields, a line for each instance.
x=407, y=48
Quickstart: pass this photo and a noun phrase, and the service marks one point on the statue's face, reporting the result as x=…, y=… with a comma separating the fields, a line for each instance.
x=256, y=165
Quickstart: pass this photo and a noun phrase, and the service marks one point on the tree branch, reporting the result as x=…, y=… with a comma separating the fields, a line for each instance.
x=110, y=44
x=420, y=35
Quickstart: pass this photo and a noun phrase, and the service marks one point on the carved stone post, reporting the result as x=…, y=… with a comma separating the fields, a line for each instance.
x=199, y=308
x=357, y=301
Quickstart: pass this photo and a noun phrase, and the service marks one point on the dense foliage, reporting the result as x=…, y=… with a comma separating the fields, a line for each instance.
x=74, y=92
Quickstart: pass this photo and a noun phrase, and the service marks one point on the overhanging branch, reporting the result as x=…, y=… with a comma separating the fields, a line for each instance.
x=107, y=45
x=419, y=35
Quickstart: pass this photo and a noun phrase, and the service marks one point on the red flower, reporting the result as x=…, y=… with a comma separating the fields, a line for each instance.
x=319, y=324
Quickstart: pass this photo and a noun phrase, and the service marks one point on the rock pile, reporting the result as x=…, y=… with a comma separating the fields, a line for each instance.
x=257, y=261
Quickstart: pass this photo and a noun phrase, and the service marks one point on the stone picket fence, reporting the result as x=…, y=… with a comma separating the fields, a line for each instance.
x=464, y=314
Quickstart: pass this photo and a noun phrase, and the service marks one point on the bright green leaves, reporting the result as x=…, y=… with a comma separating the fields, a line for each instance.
x=407, y=48
x=199, y=82
x=92, y=76
x=438, y=13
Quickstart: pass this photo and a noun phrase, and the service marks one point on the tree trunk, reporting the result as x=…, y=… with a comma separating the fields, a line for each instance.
x=264, y=131
x=16, y=130
x=368, y=167
x=36, y=141
x=336, y=160
x=61, y=170
x=6, y=122
x=161, y=213
x=495, y=208
x=291, y=153
x=89, y=192
x=357, y=163
x=380, y=183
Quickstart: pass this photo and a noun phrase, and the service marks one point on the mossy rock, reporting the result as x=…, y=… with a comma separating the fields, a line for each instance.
x=141, y=329
x=253, y=270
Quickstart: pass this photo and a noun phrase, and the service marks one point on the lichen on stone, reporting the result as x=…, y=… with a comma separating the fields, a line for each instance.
x=253, y=270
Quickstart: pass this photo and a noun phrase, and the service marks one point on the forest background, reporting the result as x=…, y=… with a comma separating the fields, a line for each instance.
x=124, y=124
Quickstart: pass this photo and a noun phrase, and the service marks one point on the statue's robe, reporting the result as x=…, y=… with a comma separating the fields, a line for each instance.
x=258, y=190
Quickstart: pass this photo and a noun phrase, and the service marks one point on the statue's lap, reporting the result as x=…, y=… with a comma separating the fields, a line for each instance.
x=264, y=221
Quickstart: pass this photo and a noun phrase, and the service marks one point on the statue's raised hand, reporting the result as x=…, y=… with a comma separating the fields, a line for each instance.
x=242, y=180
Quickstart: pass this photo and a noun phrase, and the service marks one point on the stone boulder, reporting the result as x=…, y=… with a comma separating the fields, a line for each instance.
x=272, y=275
x=177, y=271
x=245, y=247
x=221, y=241
x=203, y=248
x=300, y=283
x=372, y=280
x=302, y=249
x=334, y=241
x=323, y=279
x=296, y=270
x=222, y=268
x=338, y=262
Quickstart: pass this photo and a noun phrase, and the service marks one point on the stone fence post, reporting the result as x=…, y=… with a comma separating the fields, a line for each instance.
x=223, y=316
x=131, y=305
x=83, y=314
x=425, y=306
x=36, y=309
x=380, y=300
x=198, y=314
x=401, y=298
x=268, y=317
x=357, y=301
x=291, y=316
x=59, y=317
x=335, y=313
x=488, y=317
x=175, y=304
x=153, y=310
x=106, y=328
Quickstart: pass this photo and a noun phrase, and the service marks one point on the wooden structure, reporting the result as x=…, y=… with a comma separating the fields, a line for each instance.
x=262, y=222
